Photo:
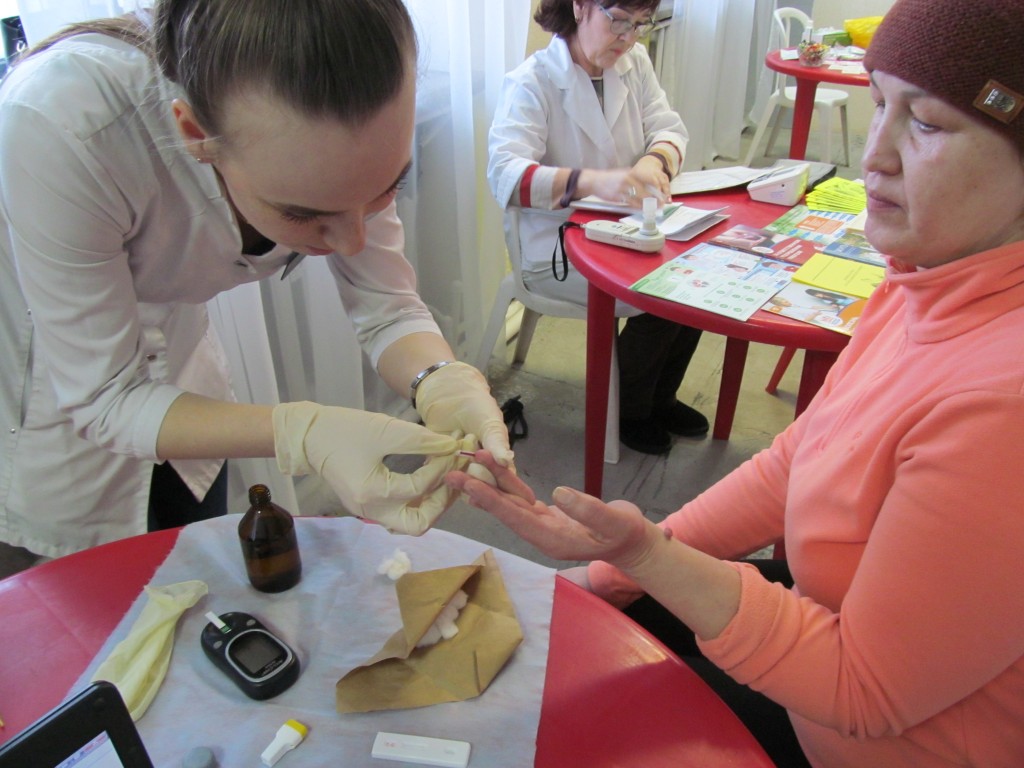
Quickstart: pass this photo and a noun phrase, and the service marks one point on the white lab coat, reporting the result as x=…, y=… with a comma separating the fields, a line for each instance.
x=112, y=240
x=549, y=114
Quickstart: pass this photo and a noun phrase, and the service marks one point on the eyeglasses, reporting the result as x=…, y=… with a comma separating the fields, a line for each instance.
x=625, y=26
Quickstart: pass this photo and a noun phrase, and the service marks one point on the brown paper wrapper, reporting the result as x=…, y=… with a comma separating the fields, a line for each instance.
x=401, y=676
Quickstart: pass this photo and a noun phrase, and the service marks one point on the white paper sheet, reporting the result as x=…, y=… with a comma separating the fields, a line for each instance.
x=336, y=618
x=713, y=179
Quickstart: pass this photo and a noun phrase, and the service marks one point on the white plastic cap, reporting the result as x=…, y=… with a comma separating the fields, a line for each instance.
x=288, y=737
x=650, y=212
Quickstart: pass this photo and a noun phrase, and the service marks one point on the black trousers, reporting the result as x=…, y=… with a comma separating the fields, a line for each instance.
x=765, y=719
x=653, y=356
x=172, y=504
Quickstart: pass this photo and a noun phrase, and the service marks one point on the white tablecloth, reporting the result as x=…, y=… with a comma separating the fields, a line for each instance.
x=336, y=618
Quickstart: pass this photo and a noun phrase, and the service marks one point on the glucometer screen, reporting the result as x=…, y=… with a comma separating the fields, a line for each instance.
x=253, y=651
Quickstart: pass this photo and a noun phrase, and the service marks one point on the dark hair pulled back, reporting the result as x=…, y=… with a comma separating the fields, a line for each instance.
x=342, y=59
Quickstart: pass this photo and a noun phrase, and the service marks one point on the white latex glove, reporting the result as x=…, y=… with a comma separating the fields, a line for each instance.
x=138, y=664
x=458, y=398
x=346, y=447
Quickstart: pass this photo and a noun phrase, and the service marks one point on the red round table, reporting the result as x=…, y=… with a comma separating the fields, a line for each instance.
x=613, y=695
x=611, y=270
x=807, y=79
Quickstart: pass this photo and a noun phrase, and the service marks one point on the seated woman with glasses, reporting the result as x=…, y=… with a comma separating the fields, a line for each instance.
x=586, y=116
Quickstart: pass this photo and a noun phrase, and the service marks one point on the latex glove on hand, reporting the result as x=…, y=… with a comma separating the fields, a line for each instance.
x=457, y=398
x=346, y=447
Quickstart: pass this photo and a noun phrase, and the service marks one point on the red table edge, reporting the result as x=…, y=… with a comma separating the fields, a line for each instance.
x=601, y=327
x=150, y=550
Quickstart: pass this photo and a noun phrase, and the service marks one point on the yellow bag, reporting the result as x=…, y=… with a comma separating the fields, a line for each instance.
x=862, y=30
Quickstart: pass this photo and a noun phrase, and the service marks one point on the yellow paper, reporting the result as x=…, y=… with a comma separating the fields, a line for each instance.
x=401, y=676
x=832, y=273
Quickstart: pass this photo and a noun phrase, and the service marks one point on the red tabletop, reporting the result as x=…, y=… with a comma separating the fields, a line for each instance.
x=613, y=695
x=611, y=269
x=807, y=79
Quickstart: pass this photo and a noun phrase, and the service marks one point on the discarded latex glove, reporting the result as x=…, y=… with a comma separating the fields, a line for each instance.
x=138, y=663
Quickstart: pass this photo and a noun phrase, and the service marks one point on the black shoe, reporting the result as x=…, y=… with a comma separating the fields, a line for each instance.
x=680, y=419
x=645, y=436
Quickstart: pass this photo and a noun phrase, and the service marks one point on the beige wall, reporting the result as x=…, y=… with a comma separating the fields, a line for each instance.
x=536, y=38
x=832, y=13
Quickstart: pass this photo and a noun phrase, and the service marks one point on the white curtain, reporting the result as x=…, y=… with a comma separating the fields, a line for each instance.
x=711, y=64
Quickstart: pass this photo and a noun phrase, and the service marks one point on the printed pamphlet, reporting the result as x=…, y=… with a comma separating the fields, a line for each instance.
x=816, y=226
x=826, y=309
x=833, y=273
x=764, y=242
x=853, y=245
x=716, y=279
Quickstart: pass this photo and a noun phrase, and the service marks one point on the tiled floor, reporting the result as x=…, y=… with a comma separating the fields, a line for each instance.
x=551, y=386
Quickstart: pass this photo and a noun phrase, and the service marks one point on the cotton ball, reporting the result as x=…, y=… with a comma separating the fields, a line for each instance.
x=448, y=629
x=444, y=626
x=395, y=566
x=430, y=637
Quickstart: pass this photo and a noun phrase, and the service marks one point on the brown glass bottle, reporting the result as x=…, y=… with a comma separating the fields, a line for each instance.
x=269, y=546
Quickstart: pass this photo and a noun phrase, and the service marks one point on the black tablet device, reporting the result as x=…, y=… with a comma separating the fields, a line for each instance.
x=92, y=729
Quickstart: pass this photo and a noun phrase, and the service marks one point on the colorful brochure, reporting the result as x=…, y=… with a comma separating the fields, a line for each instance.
x=826, y=309
x=764, y=242
x=716, y=279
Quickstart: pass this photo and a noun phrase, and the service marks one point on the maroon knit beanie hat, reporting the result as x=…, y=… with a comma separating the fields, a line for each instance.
x=969, y=53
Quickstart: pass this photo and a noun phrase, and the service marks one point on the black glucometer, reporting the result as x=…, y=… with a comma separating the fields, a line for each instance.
x=257, y=661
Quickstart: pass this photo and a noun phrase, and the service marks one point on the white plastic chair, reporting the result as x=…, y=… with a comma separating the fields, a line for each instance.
x=513, y=288
x=784, y=97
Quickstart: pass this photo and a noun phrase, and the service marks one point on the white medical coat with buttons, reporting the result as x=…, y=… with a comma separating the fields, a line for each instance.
x=113, y=238
x=549, y=114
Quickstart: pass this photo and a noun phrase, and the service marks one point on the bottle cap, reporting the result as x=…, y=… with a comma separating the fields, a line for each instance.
x=288, y=737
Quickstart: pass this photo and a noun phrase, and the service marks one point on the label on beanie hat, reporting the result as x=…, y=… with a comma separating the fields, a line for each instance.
x=998, y=101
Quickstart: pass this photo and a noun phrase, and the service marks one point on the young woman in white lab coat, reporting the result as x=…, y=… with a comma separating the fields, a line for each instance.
x=155, y=160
